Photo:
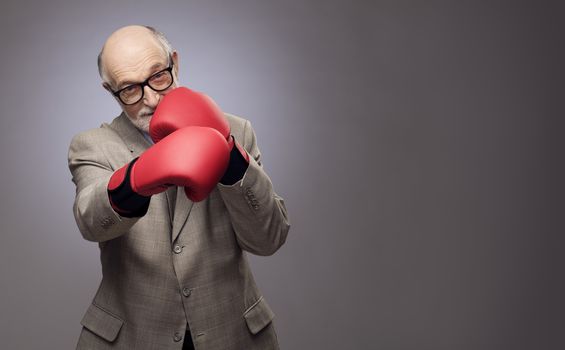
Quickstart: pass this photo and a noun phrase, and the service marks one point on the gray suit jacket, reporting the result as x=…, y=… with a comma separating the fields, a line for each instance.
x=181, y=264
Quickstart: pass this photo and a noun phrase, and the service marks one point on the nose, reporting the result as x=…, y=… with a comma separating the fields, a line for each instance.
x=151, y=97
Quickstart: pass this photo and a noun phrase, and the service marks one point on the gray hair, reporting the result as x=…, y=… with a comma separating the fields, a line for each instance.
x=165, y=44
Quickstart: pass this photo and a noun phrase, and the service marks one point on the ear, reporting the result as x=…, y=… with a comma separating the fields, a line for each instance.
x=175, y=57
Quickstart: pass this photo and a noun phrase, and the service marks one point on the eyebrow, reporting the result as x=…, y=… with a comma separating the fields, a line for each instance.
x=129, y=82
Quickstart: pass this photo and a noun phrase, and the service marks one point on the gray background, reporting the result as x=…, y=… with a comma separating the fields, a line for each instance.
x=417, y=146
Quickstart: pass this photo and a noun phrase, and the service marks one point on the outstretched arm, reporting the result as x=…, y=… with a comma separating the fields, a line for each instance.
x=91, y=172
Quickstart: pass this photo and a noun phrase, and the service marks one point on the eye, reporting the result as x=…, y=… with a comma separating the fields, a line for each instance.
x=159, y=75
x=130, y=90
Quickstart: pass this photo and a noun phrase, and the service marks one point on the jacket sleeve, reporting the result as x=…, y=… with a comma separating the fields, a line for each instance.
x=258, y=215
x=91, y=171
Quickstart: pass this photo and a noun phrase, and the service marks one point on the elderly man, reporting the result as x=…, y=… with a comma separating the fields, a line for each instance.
x=174, y=192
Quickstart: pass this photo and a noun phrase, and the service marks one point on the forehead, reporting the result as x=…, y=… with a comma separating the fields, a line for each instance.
x=133, y=62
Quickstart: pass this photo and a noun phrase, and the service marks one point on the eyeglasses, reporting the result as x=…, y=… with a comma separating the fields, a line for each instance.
x=159, y=81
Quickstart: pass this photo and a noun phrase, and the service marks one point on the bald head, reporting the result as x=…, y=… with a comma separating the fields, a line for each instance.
x=129, y=45
x=130, y=56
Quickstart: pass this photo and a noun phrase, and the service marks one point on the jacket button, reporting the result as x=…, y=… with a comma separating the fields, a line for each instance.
x=177, y=249
x=186, y=291
x=106, y=222
x=177, y=337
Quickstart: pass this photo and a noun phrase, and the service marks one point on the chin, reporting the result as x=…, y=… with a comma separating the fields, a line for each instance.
x=142, y=123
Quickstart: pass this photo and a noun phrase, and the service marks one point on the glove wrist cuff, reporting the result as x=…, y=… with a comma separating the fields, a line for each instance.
x=123, y=199
x=239, y=162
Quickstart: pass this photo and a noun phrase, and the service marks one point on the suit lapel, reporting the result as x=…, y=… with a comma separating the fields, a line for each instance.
x=183, y=206
x=137, y=144
x=131, y=135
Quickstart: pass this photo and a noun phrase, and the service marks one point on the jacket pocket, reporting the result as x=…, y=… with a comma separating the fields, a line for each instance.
x=102, y=322
x=258, y=315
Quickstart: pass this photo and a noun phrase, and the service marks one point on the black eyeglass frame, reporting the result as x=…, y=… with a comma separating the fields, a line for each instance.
x=146, y=83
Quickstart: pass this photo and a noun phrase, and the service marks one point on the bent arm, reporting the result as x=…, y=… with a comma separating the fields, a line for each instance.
x=258, y=215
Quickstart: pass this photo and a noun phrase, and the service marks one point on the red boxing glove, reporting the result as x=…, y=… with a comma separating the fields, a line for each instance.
x=183, y=107
x=193, y=157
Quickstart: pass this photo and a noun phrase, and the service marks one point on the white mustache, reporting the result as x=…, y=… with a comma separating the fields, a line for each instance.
x=146, y=114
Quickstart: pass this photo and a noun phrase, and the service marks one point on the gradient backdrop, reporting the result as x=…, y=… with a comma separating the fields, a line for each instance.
x=418, y=146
